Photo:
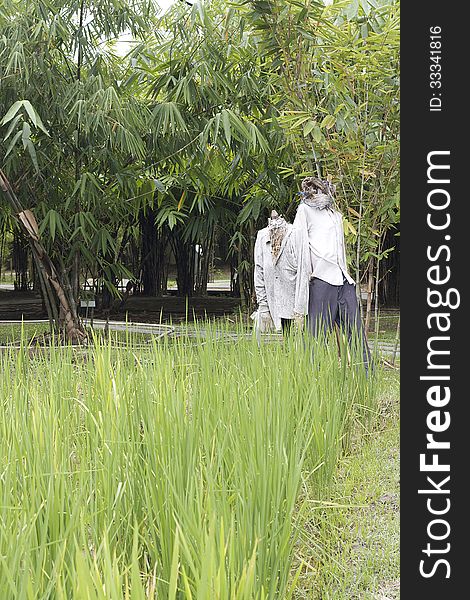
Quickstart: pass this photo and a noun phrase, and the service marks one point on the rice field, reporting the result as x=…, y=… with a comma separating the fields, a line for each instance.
x=171, y=472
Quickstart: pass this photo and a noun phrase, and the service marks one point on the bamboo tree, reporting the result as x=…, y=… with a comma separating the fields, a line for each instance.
x=74, y=170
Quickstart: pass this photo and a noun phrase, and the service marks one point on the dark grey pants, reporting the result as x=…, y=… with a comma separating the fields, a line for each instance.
x=330, y=305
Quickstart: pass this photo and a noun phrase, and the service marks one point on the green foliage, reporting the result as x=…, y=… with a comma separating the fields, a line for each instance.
x=80, y=127
x=226, y=105
x=349, y=545
x=335, y=70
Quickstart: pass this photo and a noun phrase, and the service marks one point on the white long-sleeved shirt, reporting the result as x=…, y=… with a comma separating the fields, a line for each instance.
x=325, y=233
x=281, y=284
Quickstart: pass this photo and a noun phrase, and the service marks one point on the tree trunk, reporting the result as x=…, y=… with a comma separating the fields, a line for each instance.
x=48, y=302
x=246, y=267
x=241, y=279
x=377, y=287
x=234, y=281
x=390, y=271
x=154, y=271
x=370, y=287
x=204, y=260
x=20, y=262
x=184, y=252
x=53, y=286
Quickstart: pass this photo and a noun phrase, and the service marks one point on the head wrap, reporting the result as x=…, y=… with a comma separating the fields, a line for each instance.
x=317, y=193
x=277, y=228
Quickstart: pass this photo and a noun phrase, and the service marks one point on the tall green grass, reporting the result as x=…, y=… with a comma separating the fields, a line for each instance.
x=172, y=472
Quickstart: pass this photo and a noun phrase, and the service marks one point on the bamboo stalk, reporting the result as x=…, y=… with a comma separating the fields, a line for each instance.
x=376, y=299
x=370, y=281
x=74, y=329
x=361, y=208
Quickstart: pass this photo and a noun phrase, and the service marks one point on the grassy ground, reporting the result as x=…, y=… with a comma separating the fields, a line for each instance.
x=387, y=327
x=171, y=473
x=350, y=542
x=386, y=330
x=348, y=537
x=7, y=277
x=11, y=333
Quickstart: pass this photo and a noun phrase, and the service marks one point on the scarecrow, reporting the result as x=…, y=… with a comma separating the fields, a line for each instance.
x=281, y=275
x=332, y=296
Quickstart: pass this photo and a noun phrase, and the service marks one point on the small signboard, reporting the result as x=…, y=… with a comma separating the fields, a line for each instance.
x=87, y=303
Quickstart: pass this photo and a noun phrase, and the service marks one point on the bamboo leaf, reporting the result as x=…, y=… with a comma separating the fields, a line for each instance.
x=328, y=122
x=354, y=212
x=13, y=143
x=12, y=126
x=31, y=112
x=181, y=200
x=349, y=226
x=317, y=135
x=215, y=134
x=308, y=127
x=52, y=224
x=25, y=134
x=227, y=127
x=11, y=112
